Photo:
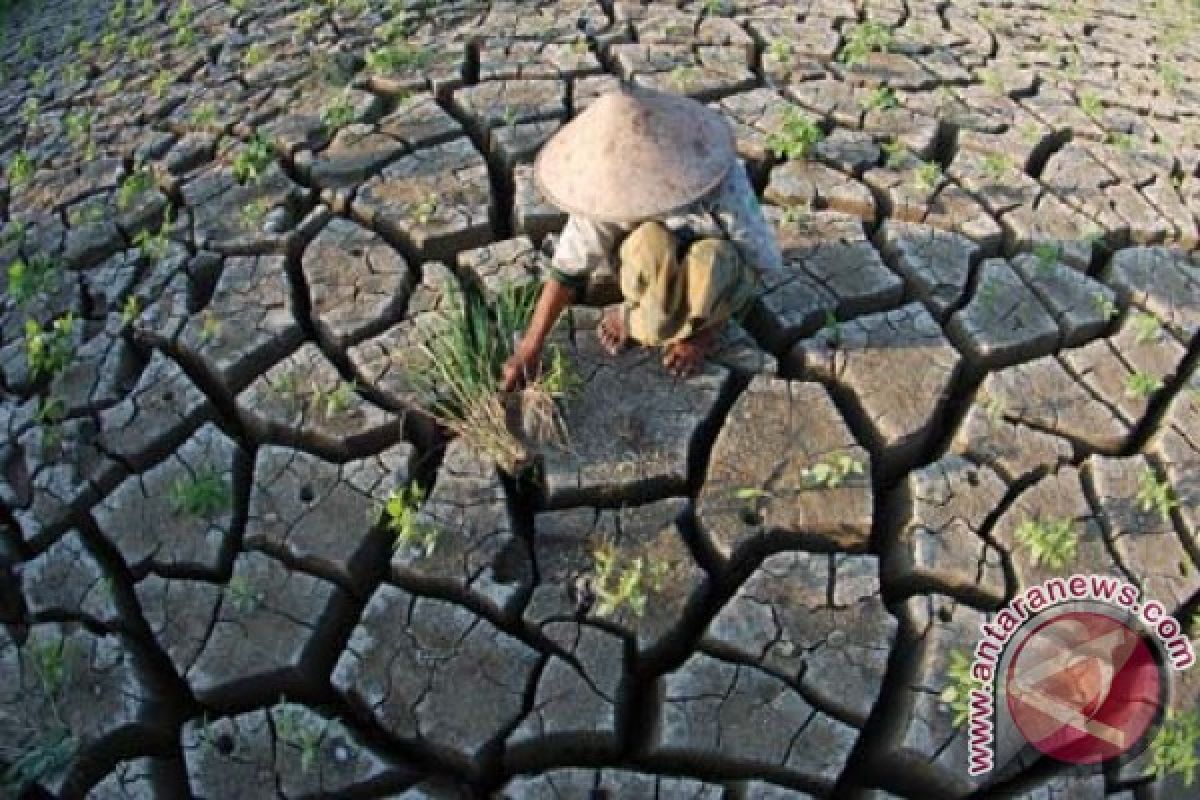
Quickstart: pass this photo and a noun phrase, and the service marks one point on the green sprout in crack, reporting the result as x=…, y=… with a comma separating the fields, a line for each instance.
x=509, y=116
x=246, y=599
x=998, y=166
x=210, y=327
x=400, y=515
x=398, y=57
x=832, y=471
x=684, y=76
x=294, y=727
x=1091, y=104
x=1105, y=305
x=253, y=159
x=337, y=115
x=1125, y=142
x=86, y=213
x=30, y=278
x=1146, y=327
x=796, y=136
x=1172, y=77
x=254, y=212
x=832, y=329
x=131, y=309
x=328, y=404
x=896, y=154
x=1046, y=255
x=203, y=115
x=51, y=411
x=154, y=245
x=1140, y=385
x=137, y=182
x=162, y=81
x=50, y=352
x=881, y=98
x=1030, y=132
x=559, y=378
x=994, y=409
x=39, y=757
x=992, y=80
x=620, y=585
x=50, y=660
x=138, y=47
x=781, y=50
x=959, y=685
x=863, y=39
x=927, y=176
x=1174, y=748
x=424, y=211
x=256, y=54
x=204, y=494
x=20, y=168
x=78, y=126
x=1155, y=495
x=1050, y=542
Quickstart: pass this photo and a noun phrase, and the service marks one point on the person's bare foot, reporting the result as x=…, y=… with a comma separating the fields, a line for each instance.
x=684, y=358
x=611, y=330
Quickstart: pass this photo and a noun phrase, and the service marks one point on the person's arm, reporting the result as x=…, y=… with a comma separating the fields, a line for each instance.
x=748, y=229
x=583, y=246
x=525, y=359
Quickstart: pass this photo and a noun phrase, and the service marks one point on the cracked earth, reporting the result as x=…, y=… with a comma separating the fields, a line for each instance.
x=991, y=306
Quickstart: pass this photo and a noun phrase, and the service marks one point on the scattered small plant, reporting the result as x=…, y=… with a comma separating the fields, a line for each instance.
x=154, y=245
x=620, y=585
x=245, y=598
x=1155, y=495
x=78, y=126
x=1047, y=255
x=139, y=47
x=960, y=683
x=203, y=115
x=203, y=494
x=927, y=176
x=863, y=39
x=796, y=136
x=134, y=184
x=400, y=515
x=997, y=166
x=163, y=81
x=895, y=153
x=50, y=660
x=49, y=352
x=1140, y=385
x=398, y=57
x=992, y=80
x=424, y=211
x=781, y=50
x=254, y=212
x=1174, y=747
x=684, y=76
x=832, y=471
x=1172, y=77
x=131, y=309
x=1125, y=142
x=335, y=401
x=1105, y=305
x=253, y=159
x=994, y=409
x=881, y=98
x=1050, y=542
x=210, y=327
x=20, y=168
x=293, y=727
x=85, y=213
x=1091, y=104
x=1146, y=327
x=27, y=279
x=256, y=54
x=832, y=329
x=337, y=115
x=559, y=379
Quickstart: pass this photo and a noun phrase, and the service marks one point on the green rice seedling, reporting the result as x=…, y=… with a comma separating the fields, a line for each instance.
x=131, y=309
x=424, y=211
x=133, y=185
x=1146, y=327
x=458, y=368
x=49, y=352
x=337, y=115
x=398, y=57
x=1172, y=77
x=927, y=176
x=1140, y=385
x=246, y=599
x=1105, y=305
x=895, y=154
x=881, y=98
x=781, y=50
x=960, y=683
x=1050, y=542
x=684, y=76
x=400, y=516
x=204, y=494
x=1091, y=104
x=32, y=277
x=997, y=166
x=154, y=245
x=863, y=39
x=1155, y=495
x=78, y=126
x=295, y=728
x=832, y=471
x=253, y=159
x=1046, y=255
x=618, y=585
x=161, y=83
x=254, y=212
x=30, y=110
x=203, y=115
x=796, y=136
x=256, y=54
x=1173, y=751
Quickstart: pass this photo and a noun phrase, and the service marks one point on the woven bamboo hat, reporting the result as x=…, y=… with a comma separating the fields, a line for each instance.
x=635, y=154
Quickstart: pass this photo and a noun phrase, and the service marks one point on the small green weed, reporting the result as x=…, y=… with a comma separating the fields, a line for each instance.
x=1155, y=495
x=204, y=494
x=863, y=39
x=400, y=515
x=832, y=471
x=246, y=599
x=796, y=136
x=253, y=159
x=135, y=183
x=1140, y=385
x=28, y=279
x=1173, y=749
x=1050, y=542
x=20, y=168
x=620, y=585
x=959, y=685
x=1146, y=327
x=50, y=352
x=399, y=57
x=927, y=176
x=882, y=98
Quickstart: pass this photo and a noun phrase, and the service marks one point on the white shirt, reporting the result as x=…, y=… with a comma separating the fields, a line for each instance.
x=730, y=211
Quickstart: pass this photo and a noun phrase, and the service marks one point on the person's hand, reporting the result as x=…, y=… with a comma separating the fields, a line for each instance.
x=525, y=363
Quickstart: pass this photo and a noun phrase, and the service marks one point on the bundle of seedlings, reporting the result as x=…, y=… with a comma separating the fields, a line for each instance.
x=456, y=377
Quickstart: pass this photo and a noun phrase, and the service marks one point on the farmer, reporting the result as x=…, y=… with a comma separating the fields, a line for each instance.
x=654, y=188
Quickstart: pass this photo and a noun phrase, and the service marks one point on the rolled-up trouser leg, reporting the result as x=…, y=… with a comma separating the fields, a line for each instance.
x=652, y=284
x=717, y=286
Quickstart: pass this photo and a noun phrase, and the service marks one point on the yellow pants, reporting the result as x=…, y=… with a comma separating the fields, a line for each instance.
x=667, y=302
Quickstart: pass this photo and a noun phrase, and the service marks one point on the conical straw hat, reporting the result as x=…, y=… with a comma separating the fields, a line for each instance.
x=635, y=154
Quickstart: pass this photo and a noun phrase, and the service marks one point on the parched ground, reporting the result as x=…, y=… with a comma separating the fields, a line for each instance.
x=991, y=305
